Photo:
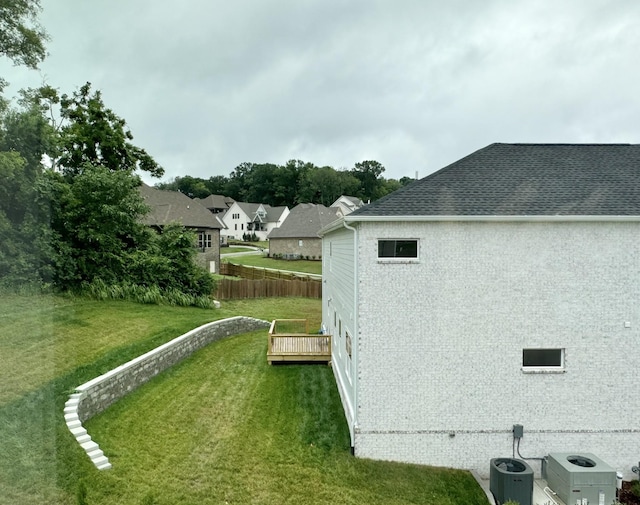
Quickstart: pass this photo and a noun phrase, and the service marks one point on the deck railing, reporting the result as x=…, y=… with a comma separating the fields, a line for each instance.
x=290, y=340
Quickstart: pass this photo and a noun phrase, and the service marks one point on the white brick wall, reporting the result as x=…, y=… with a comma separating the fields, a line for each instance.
x=441, y=342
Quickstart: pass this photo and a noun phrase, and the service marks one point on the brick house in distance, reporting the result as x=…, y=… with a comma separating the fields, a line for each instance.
x=502, y=290
x=175, y=207
x=298, y=236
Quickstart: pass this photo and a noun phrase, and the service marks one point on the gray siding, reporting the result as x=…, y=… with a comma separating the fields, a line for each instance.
x=339, y=313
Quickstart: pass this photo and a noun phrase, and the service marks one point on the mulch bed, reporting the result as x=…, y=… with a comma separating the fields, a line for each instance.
x=626, y=496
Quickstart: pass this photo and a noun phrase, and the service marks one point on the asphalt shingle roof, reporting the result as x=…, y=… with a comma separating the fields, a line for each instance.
x=525, y=180
x=173, y=206
x=273, y=214
x=305, y=220
x=216, y=201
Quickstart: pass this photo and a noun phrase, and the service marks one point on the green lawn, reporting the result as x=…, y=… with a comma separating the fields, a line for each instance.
x=222, y=427
x=233, y=250
x=264, y=244
x=306, y=266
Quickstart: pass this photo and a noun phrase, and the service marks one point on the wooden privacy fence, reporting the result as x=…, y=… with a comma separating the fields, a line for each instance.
x=265, y=282
x=248, y=272
x=229, y=289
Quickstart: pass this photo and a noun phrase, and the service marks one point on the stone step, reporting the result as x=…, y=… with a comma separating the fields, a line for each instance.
x=71, y=417
x=94, y=455
x=82, y=439
x=104, y=466
x=100, y=462
x=78, y=432
x=74, y=424
x=90, y=446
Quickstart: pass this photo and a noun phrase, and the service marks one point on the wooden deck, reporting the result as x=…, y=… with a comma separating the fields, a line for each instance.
x=290, y=340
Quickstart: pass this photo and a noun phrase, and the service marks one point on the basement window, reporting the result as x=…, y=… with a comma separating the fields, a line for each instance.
x=543, y=360
x=397, y=249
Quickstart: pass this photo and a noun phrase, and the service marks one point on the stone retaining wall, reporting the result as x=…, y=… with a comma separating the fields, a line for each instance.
x=98, y=394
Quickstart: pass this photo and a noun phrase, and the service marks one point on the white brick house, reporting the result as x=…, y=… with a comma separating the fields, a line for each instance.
x=503, y=289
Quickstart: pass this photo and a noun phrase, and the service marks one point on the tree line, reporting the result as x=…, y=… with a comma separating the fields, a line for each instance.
x=70, y=205
x=292, y=183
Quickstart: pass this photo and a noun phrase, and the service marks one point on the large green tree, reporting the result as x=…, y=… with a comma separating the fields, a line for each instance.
x=24, y=138
x=369, y=174
x=292, y=183
x=22, y=39
x=98, y=218
x=93, y=135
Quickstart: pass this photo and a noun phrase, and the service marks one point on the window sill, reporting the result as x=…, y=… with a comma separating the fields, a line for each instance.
x=543, y=370
x=403, y=261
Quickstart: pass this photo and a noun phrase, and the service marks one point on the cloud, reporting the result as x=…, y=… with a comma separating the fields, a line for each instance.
x=205, y=85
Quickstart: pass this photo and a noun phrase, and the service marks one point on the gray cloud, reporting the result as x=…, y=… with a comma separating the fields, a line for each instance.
x=205, y=85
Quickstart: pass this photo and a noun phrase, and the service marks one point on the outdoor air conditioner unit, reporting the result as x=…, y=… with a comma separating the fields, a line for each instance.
x=511, y=479
x=580, y=478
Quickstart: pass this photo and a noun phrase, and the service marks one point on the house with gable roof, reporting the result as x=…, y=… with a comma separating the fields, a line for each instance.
x=216, y=204
x=298, y=236
x=175, y=207
x=502, y=290
x=347, y=204
x=252, y=218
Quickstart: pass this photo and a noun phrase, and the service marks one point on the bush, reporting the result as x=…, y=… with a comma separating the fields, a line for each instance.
x=100, y=290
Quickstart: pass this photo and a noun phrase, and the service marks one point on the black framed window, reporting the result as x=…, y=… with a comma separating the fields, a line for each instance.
x=543, y=358
x=397, y=248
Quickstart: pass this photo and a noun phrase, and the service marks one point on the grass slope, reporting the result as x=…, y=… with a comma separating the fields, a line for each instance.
x=224, y=427
x=306, y=266
x=221, y=427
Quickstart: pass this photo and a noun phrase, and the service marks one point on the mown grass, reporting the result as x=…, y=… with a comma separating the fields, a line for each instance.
x=264, y=244
x=235, y=249
x=306, y=266
x=221, y=427
x=224, y=427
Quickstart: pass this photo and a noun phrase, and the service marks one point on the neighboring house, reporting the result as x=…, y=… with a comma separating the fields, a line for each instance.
x=503, y=289
x=347, y=204
x=298, y=236
x=248, y=218
x=216, y=203
x=173, y=206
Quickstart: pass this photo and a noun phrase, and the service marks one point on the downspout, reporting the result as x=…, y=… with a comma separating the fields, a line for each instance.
x=355, y=349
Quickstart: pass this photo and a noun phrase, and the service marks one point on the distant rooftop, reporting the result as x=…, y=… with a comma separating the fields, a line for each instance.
x=305, y=220
x=173, y=206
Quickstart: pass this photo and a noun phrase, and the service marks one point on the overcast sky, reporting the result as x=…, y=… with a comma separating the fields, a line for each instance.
x=205, y=85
